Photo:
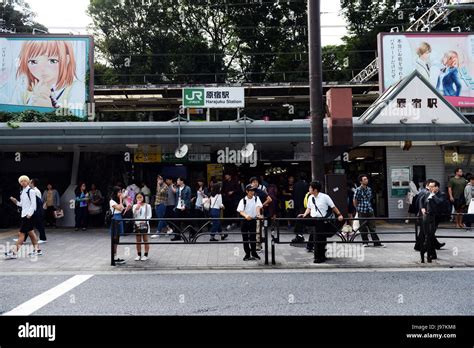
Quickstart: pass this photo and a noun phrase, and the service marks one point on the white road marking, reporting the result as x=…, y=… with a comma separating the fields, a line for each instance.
x=31, y=306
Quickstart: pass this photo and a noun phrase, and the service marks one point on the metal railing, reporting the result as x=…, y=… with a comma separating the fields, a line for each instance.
x=194, y=234
x=274, y=236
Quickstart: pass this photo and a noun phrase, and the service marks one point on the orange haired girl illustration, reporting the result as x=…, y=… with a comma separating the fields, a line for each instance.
x=49, y=70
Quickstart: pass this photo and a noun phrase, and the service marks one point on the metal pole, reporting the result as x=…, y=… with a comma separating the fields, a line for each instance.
x=112, y=236
x=265, y=224
x=316, y=91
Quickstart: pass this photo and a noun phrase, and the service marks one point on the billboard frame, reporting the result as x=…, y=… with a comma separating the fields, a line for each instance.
x=380, y=51
x=65, y=36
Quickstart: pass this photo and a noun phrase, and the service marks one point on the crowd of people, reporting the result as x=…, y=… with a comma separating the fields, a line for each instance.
x=248, y=202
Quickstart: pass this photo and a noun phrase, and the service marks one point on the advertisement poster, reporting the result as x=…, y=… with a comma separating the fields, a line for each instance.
x=45, y=73
x=445, y=60
x=400, y=178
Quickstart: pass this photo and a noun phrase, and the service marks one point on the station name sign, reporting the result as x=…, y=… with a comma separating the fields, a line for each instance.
x=214, y=98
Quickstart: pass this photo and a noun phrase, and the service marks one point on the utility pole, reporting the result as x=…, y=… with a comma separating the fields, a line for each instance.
x=316, y=91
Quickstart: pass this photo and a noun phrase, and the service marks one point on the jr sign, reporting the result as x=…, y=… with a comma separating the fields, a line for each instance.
x=214, y=98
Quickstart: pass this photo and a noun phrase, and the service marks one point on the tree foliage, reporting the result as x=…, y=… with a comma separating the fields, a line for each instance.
x=17, y=15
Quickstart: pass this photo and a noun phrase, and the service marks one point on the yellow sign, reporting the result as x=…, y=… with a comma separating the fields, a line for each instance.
x=148, y=154
x=216, y=170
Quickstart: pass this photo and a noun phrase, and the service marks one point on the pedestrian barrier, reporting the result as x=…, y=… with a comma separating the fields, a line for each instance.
x=194, y=235
x=273, y=236
x=345, y=239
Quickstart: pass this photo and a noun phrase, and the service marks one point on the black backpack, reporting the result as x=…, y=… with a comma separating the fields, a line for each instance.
x=39, y=204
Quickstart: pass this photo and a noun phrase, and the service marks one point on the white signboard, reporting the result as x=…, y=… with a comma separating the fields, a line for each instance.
x=214, y=98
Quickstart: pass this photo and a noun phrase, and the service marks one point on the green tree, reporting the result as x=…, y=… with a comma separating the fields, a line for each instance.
x=17, y=15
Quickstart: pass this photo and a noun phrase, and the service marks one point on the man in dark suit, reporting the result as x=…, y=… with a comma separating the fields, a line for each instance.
x=432, y=205
x=418, y=200
x=299, y=192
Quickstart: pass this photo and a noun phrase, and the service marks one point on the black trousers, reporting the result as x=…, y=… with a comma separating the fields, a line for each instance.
x=39, y=225
x=249, y=229
x=300, y=225
x=180, y=214
x=81, y=217
x=427, y=235
x=318, y=235
x=50, y=218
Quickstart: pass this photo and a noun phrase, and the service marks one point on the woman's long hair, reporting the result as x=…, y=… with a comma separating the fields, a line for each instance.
x=114, y=195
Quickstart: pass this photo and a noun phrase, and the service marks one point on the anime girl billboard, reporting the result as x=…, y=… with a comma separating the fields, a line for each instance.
x=445, y=60
x=45, y=74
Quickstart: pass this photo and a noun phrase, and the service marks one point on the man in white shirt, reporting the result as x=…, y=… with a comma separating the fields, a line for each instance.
x=319, y=206
x=28, y=206
x=250, y=208
x=39, y=216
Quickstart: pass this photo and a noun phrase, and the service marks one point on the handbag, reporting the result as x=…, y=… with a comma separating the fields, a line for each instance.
x=142, y=226
x=58, y=214
x=356, y=223
x=330, y=228
x=206, y=203
x=470, y=210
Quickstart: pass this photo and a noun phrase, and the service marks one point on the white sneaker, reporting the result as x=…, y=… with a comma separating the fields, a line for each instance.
x=228, y=227
x=170, y=231
x=36, y=253
x=154, y=236
x=138, y=258
x=10, y=256
x=144, y=258
x=42, y=241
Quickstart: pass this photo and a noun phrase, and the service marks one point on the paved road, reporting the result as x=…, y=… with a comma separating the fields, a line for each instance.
x=247, y=292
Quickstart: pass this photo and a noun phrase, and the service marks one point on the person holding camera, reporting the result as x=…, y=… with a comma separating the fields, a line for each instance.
x=142, y=211
x=320, y=205
x=250, y=208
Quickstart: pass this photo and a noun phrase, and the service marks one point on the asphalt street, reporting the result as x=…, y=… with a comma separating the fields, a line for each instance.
x=247, y=292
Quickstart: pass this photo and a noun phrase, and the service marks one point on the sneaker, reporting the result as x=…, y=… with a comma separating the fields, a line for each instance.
x=42, y=241
x=224, y=236
x=175, y=238
x=213, y=240
x=119, y=261
x=36, y=253
x=154, y=236
x=260, y=251
x=10, y=255
x=298, y=239
x=380, y=245
x=144, y=258
x=76, y=229
x=138, y=258
x=84, y=229
x=247, y=258
x=255, y=256
x=15, y=239
x=170, y=231
x=228, y=227
x=308, y=250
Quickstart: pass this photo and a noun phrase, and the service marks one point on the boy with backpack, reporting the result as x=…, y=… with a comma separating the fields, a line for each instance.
x=28, y=204
x=250, y=208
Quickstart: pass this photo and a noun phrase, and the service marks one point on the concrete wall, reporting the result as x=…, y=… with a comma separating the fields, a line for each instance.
x=432, y=157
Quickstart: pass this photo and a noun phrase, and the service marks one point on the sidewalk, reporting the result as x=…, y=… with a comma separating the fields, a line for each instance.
x=69, y=250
